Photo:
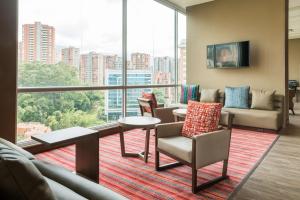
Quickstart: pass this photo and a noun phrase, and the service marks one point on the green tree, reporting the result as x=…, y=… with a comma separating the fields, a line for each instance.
x=57, y=110
x=159, y=95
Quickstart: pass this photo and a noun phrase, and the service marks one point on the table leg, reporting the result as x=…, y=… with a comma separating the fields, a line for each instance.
x=176, y=118
x=122, y=144
x=147, y=140
x=87, y=157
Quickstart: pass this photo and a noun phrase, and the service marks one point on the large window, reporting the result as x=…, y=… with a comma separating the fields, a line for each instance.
x=73, y=57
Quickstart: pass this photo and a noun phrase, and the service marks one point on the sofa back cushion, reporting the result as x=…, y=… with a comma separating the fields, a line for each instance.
x=189, y=92
x=209, y=95
x=237, y=97
x=20, y=179
x=263, y=99
x=201, y=118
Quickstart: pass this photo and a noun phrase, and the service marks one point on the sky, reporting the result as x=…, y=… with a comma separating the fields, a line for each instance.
x=96, y=25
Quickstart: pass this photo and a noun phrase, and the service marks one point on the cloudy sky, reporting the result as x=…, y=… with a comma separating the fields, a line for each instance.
x=96, y=25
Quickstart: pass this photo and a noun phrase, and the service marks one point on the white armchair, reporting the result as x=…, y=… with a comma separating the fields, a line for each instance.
x=196, y=152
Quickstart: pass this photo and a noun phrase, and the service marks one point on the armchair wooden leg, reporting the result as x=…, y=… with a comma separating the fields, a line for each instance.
x=156, y=160
x=196, y=188
x=166, y=166
x=194, y=180
x=225, y=166
x=169, y=166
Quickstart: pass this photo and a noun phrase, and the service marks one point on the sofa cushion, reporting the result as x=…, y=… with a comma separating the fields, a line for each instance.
x=237, y=97
x=189, y=92
x=201, y=118
x=20, y=179
x=262, y=99
x=209, y=95
x=179, y=146
x=267, y=119
x=62, y=192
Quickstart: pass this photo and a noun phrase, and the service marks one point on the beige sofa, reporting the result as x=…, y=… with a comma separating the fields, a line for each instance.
x=265, y=119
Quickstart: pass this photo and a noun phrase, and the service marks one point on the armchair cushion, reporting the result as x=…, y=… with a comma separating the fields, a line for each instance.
x=179, y=146
x=151, y=97
x=201, y=118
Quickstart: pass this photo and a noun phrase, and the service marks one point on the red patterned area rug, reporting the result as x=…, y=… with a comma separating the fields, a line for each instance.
x=135, y=179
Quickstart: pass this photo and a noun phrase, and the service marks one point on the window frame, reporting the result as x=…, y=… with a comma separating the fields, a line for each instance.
x=124, y=87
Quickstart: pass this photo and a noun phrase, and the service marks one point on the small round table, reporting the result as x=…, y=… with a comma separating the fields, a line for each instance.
x=137, y=122
x=179, y=113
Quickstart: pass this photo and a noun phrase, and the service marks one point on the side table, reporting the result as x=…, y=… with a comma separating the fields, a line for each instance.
x=137, y=122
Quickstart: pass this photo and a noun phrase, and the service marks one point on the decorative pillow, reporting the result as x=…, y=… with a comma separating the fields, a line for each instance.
x=151, y=97
x=189, y=92
x=209, y=95
x=237, y=97
x=262, y=99
x=201, y=118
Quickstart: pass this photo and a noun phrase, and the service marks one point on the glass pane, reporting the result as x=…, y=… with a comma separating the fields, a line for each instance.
x=61, y=45
x=181, y=48
x=46, y=112
x=164, y=96
x=150, y=43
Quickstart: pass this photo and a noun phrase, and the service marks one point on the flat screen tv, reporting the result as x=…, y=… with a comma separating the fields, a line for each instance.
x=229, y=55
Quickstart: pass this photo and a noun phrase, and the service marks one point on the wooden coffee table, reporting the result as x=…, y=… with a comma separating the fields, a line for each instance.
x=137, y=122
x=87, y=148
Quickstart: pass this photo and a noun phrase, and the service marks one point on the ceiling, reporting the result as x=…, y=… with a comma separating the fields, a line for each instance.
x=187, y=3
x=294, y=13
x=294, y=19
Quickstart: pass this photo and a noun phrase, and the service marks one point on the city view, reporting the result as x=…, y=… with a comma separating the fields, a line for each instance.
x=45, y=61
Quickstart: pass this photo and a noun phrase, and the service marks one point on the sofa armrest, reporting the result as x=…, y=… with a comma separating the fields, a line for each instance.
x=165, y=114
x=211, y=147
x=78, y=184
x=226, y=119
x=168, y=130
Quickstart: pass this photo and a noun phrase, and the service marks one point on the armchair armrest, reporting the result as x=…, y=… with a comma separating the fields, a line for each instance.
x=168, y=130
x=211, y=147
x=165, y=114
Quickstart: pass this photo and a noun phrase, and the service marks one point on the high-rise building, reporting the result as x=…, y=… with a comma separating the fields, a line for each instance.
x=163, y=70
x=91, y=70
x=113, y=98
x=38, y=43
x=182, y=62
x=164, y=64
x=140, y=61
x=58, y=56
x=112, y=62
x=71, y=56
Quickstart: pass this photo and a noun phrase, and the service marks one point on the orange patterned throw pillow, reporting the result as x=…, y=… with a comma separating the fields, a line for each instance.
x=201, y=118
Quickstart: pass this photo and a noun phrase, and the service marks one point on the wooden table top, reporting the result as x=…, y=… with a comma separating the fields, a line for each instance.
x=138, y=122
x=64, y=135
